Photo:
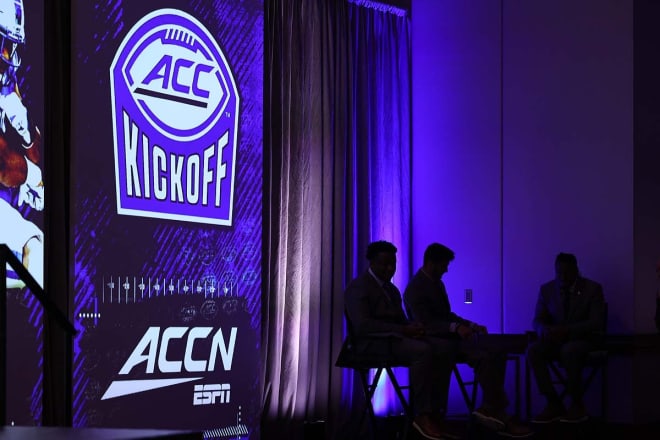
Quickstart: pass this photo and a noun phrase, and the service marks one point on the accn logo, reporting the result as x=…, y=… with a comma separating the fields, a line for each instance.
x=153, y=354
x=175, y=117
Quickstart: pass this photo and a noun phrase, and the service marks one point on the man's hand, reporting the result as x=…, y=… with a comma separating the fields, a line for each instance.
x=464, y=331
x=558, y=333
x=554, y=333
x=413, y=330
x=480, y=329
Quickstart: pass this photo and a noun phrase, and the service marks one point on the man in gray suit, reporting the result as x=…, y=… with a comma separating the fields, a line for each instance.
x=570, y=312
x=373, y=310
x=427, y=302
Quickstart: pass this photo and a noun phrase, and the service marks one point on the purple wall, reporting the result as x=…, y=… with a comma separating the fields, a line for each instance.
x=456, y=148
x=456, y=176
x=523, y=147
x=567, y=150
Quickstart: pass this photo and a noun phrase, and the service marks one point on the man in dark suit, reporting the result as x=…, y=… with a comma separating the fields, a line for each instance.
x=427, y=302
x=373, y=309
x=569, y=314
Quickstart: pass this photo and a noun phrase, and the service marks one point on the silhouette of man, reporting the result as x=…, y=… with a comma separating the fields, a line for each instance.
x=570, y=312
x=373, y=307
x=427, y=302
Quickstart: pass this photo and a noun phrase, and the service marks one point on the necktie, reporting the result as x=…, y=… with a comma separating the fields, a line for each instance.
x=390, y=290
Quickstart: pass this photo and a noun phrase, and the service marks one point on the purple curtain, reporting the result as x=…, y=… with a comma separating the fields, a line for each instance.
x=337, y=176
x=380, y=149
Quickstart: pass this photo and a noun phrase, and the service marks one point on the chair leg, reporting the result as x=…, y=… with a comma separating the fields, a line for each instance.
x=368, y=407
x=461, y=386
x=406, y=407
x=516, y=359
x=589, y=379
x=560, y=379
x=528, y=391
x=604, y=393
x=473, y=399
x=399, y=393
x=593, y=371
x=603, y=387
x=369, y=389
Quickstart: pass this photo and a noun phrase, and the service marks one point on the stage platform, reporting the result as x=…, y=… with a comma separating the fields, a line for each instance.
x=59, y=433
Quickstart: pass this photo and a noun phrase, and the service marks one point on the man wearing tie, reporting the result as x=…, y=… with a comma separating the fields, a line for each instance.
x=569, y=314
x=373, y=309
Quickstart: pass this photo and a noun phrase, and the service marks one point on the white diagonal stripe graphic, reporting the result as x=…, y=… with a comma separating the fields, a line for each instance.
x=124, y=387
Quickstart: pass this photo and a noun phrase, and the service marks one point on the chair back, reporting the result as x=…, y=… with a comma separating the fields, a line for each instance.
x=350, y=357
x=347, y=355
x=599, y=336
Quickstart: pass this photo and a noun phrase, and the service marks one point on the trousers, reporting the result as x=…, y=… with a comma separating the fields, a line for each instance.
x=571, y=355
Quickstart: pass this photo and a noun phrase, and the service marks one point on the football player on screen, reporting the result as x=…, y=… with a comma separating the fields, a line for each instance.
x=26, y=241
x=19, y=140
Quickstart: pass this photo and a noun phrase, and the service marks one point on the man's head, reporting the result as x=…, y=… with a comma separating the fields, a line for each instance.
x=382, y=259
x=436, y=259
x=566, y=269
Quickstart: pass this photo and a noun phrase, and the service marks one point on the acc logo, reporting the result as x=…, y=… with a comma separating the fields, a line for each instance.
x=175, y=117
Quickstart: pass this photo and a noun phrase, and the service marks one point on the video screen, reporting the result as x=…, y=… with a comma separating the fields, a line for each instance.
x=167, y=145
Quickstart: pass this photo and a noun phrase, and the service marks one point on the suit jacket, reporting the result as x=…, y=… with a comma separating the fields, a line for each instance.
x=586, y=312
x=371, y=309
x=427, y=302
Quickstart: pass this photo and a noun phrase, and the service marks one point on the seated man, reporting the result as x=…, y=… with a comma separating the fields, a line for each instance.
x=373, y=307
x=569, y=312
x=427, y=302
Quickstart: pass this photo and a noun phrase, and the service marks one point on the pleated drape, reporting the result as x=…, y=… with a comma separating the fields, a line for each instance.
x=337, y=176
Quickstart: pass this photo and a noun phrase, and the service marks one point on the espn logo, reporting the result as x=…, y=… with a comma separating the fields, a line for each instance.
x=207, y=394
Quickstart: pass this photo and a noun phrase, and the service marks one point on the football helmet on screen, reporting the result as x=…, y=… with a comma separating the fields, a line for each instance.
x=12, y=34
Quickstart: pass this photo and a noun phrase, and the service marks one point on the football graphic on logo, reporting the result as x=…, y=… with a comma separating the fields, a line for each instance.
x=177, y=81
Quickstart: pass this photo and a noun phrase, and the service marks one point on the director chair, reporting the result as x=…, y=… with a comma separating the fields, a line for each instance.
x=362, y=364
x=596, y=361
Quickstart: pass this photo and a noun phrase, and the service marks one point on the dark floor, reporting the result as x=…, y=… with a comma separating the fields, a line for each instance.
x=391, y=428
x=58, y=433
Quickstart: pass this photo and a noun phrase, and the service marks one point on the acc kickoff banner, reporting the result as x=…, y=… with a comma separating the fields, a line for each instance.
x=166, y=185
